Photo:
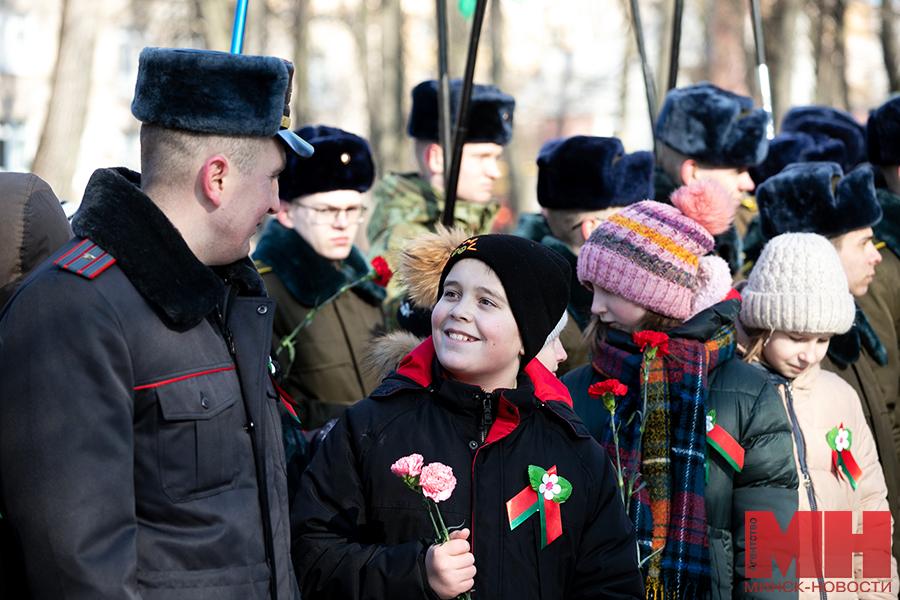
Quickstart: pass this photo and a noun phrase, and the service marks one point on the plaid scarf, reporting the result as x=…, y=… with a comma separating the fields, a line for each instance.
x=668, y=511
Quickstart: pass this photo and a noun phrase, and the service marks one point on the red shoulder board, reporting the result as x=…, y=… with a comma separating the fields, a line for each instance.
x=86, y=259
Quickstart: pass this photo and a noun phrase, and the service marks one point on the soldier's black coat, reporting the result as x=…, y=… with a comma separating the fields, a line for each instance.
x=140, y=456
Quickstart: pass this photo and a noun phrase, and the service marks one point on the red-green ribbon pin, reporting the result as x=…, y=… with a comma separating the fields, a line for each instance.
x=546, y=492
x=723, y=443
x=840, y=439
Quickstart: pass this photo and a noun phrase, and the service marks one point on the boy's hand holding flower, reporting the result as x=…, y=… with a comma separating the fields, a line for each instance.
x=451, y=566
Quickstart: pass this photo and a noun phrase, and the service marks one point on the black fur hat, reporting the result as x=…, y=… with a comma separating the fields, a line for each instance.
x=342, y=161
x=839, y=138
x=592, y=173
x=534, y=277
x=216, y=92
x=713, y=126
x=804, y=198
x=490, y=114
x=798, y=146
x=883, y=130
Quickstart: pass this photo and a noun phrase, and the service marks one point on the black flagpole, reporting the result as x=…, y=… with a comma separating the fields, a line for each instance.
x=462, y=116
x=648, y=75
x=676, y=44
x=444, y=123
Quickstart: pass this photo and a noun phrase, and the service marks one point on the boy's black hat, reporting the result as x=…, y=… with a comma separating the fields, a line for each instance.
x=343, y=161
x=816, y=197
x=713, y=126
x=217, y=92
x=490, y=114
x=839, y=138
x=592, y=173
x=883, y=128
x=534, y=277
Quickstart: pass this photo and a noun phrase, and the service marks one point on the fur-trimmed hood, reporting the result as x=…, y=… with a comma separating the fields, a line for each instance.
x=117, y=216
x=308, y=277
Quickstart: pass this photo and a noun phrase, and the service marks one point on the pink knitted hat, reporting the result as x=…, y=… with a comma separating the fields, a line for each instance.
x=653, y=254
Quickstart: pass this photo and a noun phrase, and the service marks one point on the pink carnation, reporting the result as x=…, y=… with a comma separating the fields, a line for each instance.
x=437, y=481
x=408, y=466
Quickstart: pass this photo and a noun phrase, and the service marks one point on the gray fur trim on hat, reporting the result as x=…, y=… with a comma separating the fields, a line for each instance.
x=798, y=285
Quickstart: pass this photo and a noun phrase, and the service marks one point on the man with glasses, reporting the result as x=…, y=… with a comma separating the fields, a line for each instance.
x=305, y=256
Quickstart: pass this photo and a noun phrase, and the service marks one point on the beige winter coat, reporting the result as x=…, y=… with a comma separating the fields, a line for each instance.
x=822, y=401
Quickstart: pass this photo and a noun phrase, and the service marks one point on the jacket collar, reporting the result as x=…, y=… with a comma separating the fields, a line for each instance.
x=888, y=230
x=122, y=220
x=536, y=387
x=308, y=276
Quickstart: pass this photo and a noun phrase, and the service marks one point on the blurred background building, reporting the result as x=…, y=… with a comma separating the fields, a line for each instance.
x=67, y=68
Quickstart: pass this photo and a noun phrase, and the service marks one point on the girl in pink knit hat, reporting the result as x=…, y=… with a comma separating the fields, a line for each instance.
x=650, y=269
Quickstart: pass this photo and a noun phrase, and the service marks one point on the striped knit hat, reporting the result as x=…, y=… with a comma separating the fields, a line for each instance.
x=653, y=254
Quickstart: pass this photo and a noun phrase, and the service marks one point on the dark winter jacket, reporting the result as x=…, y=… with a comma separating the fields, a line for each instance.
x=363, y=533
x=32, y=228
x=749, y=409
x=326, y=376
x=140, y=441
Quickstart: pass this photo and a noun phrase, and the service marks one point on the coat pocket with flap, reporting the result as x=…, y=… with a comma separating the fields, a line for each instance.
x=199, y=428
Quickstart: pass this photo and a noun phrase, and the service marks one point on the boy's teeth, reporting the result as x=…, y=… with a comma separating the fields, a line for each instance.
x=458, y=336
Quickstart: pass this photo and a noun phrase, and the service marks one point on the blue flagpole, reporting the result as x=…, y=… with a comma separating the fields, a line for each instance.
x=237, y=34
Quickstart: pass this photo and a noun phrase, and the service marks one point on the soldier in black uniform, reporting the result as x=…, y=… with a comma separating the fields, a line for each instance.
x=140, y=440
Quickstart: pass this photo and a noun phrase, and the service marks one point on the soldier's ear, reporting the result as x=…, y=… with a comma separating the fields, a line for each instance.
x=434, y=158
x=212, y=178
x=689, y=171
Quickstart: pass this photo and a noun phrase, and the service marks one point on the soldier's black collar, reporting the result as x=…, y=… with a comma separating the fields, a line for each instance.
x=122, y=220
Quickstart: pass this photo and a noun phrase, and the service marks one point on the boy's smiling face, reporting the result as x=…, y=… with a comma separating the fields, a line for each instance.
x=475, y=333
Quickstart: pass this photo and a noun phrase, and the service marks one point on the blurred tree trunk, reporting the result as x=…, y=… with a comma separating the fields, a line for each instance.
x=889, y=45
x=497, y=32
x=300, y=112
x=218, y=21
x=779, y=25
x=58, y=149
x=726, y=53
x=393, y=128
x=827, y=32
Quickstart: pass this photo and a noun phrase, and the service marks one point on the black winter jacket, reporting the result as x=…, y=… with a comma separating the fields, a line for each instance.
x=140, y=439
x=363, y=533
x=749, y=409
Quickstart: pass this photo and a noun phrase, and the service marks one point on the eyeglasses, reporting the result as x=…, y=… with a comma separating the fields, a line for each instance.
x=329, y=215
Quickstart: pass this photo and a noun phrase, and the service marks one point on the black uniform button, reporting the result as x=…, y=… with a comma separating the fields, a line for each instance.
x=473, y=445
x=262, y=309
x=510, y=410
x=204, y=402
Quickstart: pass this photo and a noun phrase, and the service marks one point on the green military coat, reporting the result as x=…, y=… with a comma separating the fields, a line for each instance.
x=326, y=376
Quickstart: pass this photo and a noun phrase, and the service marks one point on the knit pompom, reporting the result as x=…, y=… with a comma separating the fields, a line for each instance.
x=423, y=259
x=707, y=203
x=713, y=283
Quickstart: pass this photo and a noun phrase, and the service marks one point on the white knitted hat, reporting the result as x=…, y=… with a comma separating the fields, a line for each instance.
x=798, y=284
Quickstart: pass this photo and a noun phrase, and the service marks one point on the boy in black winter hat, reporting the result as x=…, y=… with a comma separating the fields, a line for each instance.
x=474, y=398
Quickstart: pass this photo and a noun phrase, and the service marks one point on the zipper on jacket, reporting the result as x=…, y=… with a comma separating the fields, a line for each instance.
x=484, y=427
x=222, y=316
x=807, y=482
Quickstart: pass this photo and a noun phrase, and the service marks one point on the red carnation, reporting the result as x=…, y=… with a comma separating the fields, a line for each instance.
x=610, y=386
x=383, y=272
x=653, y=339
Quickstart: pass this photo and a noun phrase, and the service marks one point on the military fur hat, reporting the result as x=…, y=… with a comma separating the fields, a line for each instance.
x=883, y=130
x=592, y=173
x=713, y=126
x=216, y=92
x=797, y=146
x=816, y=197
x=342, y=161
x=490, y=114
x=838, y=137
